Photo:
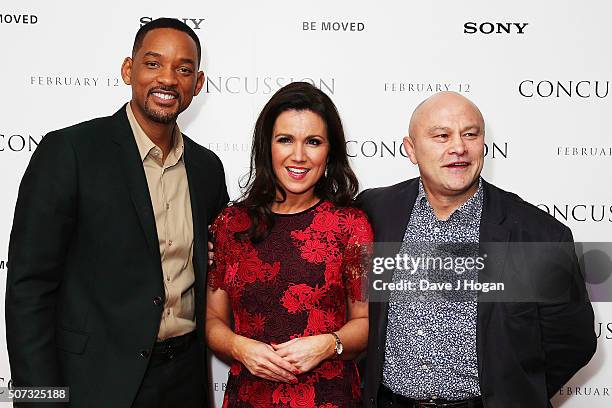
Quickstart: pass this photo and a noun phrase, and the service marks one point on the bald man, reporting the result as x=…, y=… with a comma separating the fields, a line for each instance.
x=454, y=349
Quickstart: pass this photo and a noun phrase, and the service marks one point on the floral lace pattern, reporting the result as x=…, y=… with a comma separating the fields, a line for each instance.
x=295, y=283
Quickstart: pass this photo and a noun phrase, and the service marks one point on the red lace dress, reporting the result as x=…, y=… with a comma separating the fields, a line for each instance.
x=293, y=284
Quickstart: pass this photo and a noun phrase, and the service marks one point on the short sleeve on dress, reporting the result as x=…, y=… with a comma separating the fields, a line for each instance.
x=231, y=220
x=216, y=272
x=357, y=254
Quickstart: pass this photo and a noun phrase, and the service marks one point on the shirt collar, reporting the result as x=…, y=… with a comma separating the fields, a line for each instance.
x=472, y=204
x=422, y=194
x=146, y=145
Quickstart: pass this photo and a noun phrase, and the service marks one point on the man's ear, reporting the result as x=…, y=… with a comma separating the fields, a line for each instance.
x=199, y=83
x=126, y=70
x=409, y=148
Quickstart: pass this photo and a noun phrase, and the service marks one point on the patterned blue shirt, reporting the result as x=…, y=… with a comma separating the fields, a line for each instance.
x=430, y=350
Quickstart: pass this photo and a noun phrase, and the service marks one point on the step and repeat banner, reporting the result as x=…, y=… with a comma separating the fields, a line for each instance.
x=539, y=71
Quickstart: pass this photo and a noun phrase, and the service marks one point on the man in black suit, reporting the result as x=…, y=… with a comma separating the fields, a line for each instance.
x=107, y=258
x=470, y=353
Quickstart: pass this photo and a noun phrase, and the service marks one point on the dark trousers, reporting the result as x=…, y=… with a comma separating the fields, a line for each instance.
x=173, y=382
x=386, y=399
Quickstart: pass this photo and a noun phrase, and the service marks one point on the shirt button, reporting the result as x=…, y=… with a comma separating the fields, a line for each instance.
x=167, y=206
x=169, y=242
x=157, y=301
x=168, y=278
x=436, y=229
x=420, y=332
x=168, y=312
x=144, y=353
x=424, y=366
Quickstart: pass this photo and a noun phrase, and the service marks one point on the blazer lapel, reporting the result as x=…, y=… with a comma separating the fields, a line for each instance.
x=494, y=238
x=398, y=212
x=129, y=160
x=197, y=187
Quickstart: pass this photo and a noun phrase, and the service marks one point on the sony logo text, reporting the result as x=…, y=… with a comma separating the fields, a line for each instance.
x=494, y=28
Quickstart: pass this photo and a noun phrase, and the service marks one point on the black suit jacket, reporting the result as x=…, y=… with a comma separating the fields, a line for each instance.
x=85, y=287
x=526, y=350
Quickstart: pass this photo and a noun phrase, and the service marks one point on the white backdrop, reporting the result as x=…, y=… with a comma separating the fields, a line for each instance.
x=543, y=88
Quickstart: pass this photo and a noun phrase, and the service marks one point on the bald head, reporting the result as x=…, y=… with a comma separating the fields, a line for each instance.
x=446, y=141
x=442, y=103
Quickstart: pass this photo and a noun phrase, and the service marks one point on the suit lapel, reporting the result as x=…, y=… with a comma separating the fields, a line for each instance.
x=197, y=187
x=494, y=238
x=133, y=170
x=399, y=212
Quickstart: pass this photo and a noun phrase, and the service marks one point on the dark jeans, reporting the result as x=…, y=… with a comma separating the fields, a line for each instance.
x=173, y=382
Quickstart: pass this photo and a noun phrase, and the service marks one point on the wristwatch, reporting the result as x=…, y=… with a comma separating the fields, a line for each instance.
x=339, y=347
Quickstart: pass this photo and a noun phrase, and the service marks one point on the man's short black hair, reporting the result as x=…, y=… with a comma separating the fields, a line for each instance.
x=165, y=22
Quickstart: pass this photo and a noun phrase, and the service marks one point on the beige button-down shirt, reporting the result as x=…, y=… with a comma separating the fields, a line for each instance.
x=169, y=191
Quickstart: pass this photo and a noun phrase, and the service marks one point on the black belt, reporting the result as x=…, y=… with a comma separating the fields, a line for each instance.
x=170, y=348
x=429, y=403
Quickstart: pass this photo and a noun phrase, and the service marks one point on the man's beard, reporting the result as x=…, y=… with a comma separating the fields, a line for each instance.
x=161, y=116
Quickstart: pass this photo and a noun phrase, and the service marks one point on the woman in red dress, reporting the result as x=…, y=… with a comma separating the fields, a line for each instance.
x=290, y=264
